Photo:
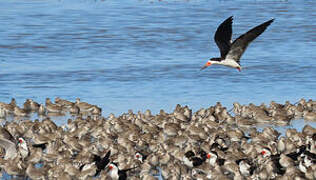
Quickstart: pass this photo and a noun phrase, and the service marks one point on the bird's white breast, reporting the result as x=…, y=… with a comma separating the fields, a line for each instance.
x=230, y=63
x=227, y=62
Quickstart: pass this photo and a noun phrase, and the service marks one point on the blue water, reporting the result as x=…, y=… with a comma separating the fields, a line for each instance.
x=140, y=55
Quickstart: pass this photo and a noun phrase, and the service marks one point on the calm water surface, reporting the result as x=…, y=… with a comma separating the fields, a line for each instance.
x=142, y=55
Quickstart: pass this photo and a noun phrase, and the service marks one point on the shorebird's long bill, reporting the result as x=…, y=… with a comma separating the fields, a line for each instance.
x=206, y=65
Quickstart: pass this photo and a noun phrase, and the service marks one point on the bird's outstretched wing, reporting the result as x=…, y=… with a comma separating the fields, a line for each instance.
x=239, y=46
x=223, y=36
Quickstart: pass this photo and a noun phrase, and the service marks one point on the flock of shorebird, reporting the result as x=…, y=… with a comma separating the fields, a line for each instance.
x=60, y=107
x=207, y=144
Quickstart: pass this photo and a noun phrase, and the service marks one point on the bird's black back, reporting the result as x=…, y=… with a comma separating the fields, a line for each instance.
x=42, y=146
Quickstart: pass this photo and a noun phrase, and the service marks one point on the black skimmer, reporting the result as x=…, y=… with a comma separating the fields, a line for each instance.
x=231, y=52
x=98, y=162
x=140, y=156
x=279, y=169
x=307, y=160
x=117, y=174
x=191, y=160
x=101, y=163
x=22, y=147
x=266, y=152
x=213, y=159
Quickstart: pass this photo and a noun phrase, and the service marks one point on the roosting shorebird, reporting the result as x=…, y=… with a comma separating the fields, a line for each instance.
x=232, y=51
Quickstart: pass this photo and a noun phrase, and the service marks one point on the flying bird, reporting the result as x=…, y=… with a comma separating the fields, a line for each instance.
x=231, y=51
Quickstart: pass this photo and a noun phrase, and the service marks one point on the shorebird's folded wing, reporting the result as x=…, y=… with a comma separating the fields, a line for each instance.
x=10, y=148
x=223, y=36
x=240, y=44
x=5, y=134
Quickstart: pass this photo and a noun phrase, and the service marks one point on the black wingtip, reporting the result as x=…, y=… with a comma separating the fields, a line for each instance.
x=108, y=154
x=230, y=18
x=270, y=21
x=265, y=25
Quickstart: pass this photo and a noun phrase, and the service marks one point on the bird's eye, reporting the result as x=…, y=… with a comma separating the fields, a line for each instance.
x=137, y=156
x=110, y=167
